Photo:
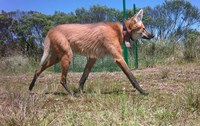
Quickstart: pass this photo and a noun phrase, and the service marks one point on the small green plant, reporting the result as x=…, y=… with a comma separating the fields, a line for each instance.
x=149, y=62
x=164, y=73
x=192, y=97
x=123, y=108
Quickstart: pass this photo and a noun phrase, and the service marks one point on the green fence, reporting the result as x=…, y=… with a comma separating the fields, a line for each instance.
x=106, y=63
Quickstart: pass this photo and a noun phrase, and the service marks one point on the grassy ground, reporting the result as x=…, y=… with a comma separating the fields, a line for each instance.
x=109, y=99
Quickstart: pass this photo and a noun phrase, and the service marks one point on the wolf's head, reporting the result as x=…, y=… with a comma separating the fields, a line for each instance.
x=136, y=28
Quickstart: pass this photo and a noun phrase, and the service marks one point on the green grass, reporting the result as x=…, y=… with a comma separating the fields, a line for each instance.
x=109, y=99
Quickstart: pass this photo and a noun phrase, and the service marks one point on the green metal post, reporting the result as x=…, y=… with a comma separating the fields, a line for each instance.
x=135, y=45
x=73, y=67
x=56, y=68
x=125, y=50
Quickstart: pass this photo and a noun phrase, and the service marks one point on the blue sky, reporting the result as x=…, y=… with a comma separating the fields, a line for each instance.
x=50, y=6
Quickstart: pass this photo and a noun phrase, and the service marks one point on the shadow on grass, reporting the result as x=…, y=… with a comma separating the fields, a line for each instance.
x=115, y=92
x=57, y=93
x=118, y=92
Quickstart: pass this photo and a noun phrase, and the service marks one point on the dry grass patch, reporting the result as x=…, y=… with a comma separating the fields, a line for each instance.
x=109, y=99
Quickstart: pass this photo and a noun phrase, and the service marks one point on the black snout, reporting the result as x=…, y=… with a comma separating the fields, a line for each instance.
x=150, y=36
x=144, y=37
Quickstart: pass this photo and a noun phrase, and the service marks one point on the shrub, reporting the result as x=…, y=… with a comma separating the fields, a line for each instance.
x=16, y=64
x=192, y=46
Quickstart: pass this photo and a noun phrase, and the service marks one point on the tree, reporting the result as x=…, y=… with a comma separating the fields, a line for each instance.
x=5, y=26
x=83, y=15
x=172, y=19
x=97, y=13
x=62, y=18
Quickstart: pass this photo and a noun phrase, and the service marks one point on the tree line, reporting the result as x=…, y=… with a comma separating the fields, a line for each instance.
x=24, y=32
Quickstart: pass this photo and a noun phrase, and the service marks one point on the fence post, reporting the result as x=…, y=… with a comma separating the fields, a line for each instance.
x=56, y=68
x=135, y=45
x=125, y=50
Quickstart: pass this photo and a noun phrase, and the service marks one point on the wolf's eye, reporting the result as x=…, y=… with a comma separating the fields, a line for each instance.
x=143, y=29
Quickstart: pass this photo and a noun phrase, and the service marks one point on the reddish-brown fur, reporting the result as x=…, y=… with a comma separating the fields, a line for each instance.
x=92, y=40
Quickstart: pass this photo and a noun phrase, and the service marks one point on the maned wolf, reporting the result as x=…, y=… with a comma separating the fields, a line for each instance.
x=94, y=41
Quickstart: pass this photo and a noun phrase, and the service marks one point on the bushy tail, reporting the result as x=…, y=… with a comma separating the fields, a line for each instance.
x=46, y=53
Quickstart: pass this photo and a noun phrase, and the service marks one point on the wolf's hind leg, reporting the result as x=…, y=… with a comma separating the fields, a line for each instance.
x=88, y=67
x=51, y=61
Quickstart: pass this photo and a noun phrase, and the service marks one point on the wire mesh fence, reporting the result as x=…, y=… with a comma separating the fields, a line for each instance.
x=106, y=63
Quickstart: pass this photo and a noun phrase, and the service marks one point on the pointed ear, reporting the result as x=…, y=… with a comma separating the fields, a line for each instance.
x=139, y=16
